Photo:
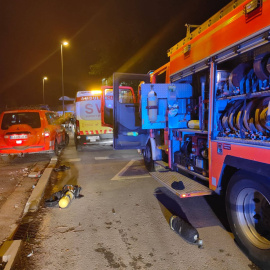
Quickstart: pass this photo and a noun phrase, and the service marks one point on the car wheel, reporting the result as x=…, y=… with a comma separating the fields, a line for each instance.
x=248, y=210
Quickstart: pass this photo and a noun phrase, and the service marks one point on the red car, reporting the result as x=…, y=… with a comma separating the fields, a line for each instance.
x=30, y=131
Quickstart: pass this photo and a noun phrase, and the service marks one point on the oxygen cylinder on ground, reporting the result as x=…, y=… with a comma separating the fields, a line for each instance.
x=185, y=230
x=66, y=199
x=152, y=105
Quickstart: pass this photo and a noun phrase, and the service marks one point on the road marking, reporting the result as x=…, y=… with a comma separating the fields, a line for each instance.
x=103, y=158
x=73, y=159
x=119, y=157
x=130, y=156
x=138, y=171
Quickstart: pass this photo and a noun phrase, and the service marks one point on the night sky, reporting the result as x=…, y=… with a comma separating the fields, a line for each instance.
x=105, y=36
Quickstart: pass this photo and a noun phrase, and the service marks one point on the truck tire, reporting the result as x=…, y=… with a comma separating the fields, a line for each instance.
x=248, y=211
x=78, y=146
x=147, y=156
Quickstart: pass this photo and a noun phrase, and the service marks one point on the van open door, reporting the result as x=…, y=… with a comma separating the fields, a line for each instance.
x=107, y=106
x=107, y=102
x=127, y=129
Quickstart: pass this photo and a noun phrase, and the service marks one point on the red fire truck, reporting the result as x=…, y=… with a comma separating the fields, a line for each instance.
x=208, y=123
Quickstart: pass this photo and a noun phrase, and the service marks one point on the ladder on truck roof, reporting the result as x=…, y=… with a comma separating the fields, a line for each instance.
x=201, y=28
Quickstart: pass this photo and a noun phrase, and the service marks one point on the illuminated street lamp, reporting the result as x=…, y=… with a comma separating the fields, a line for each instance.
x=64, y=43
x=43, y=80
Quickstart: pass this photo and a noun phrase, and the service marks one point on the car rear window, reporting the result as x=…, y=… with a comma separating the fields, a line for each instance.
x=52, y=118
x=29, y=118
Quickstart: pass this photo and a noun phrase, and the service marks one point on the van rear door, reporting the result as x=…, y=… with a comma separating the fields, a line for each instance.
x=107, y=106
x=126, y=92
x=128, y=132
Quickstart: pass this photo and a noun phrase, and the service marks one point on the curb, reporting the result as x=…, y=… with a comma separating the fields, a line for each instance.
x=10, y=248
x=37, y=194
x=9, y=251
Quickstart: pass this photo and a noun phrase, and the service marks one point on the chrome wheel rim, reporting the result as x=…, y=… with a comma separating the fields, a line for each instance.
x=253, y=213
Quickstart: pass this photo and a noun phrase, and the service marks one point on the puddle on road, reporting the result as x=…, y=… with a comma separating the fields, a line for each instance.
x=61, y=178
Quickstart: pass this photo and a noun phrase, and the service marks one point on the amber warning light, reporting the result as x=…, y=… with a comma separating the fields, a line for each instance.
x=96, y=92
x=251, y=6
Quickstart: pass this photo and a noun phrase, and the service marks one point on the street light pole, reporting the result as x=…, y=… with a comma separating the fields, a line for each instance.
x=62, y=64
x=44, y=79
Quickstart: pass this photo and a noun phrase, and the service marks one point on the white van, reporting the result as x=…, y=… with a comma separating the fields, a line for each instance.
x=88, y=129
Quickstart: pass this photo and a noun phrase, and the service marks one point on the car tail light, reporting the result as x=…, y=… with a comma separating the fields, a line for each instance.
x=47, y=132
x=77, y=127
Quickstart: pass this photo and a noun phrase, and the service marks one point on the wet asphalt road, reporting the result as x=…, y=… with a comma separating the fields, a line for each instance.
x=121, y=222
